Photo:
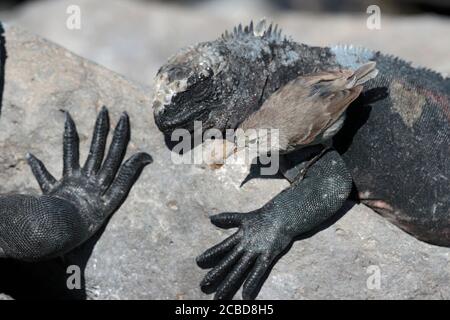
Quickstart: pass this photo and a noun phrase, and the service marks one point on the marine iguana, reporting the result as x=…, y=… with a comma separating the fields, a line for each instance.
x=392, y=151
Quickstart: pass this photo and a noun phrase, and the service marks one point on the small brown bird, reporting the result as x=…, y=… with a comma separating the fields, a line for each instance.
x=308, y=110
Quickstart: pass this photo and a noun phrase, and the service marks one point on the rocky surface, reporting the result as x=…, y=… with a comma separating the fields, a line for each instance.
x=147, y=250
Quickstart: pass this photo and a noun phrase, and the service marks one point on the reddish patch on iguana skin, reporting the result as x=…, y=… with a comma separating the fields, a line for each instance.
x=378, y=204
x=439, y=100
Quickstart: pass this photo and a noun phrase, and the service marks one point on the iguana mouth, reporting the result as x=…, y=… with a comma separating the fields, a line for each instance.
x=180, y=121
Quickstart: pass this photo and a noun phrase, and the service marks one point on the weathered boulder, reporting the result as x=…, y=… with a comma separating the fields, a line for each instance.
x=147, y=250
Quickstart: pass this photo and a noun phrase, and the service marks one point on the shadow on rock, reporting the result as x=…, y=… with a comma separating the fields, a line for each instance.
x=52, y=279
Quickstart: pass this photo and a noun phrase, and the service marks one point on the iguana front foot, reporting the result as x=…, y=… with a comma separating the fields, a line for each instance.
x=264, y=234
x=251, y=249
x=72, y=209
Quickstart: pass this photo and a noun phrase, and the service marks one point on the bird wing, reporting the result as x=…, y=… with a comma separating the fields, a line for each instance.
x=307, y=105
x=322, y=111
x=330, y=94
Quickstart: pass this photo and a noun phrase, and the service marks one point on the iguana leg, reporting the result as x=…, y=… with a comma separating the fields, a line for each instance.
x=263, y=234
x=71, y=210
x=294, y=165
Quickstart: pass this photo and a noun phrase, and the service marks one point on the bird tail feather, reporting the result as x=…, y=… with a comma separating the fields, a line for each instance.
x=363, y=74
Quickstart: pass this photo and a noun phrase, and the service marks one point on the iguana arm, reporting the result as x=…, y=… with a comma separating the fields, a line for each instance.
x=263, y=234
x=71, y=210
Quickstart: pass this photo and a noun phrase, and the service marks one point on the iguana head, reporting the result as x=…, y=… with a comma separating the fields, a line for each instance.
x=218, y=82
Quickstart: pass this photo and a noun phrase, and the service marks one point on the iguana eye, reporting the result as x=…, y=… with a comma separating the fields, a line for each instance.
x=201, y=84
x=206, y=73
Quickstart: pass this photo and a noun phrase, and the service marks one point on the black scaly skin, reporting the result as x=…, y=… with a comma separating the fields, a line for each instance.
x=394, y=143
x=71, y=210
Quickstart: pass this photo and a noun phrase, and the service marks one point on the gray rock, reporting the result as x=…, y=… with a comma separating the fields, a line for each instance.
x=147, y=250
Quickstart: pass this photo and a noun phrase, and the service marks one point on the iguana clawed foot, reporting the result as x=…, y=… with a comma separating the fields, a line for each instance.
x=246, y=256
x=97, y=188
x=72, y=209
x=264, y=234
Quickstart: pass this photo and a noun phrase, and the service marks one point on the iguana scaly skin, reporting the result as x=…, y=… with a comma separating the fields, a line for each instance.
x=394, y=146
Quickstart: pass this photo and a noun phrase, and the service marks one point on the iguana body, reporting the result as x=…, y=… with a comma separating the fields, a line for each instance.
x=399, y=157
x=394, y=146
